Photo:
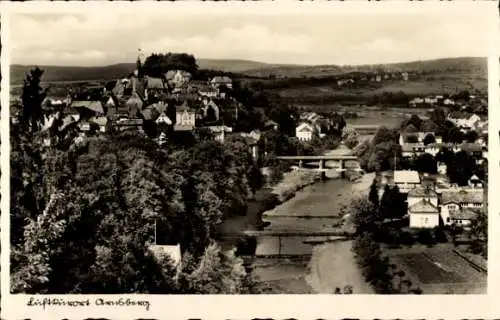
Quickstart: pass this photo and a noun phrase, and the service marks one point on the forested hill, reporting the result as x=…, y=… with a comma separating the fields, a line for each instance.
x=462, y=66
x=64, y=73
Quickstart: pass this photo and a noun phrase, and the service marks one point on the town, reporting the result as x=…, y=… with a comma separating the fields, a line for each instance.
x=206, y=174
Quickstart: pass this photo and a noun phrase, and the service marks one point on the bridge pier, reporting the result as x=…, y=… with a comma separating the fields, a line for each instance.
x=321, y=164
x=301, y=163
x=342, y=166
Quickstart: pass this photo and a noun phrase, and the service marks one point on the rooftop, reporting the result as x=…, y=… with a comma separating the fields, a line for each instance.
x=462, y=196
x=155, y=83
x=406, y=176
x=423, y=206
x=179, y=127
x=463, y=214
x=422, y=192
x=95, y=106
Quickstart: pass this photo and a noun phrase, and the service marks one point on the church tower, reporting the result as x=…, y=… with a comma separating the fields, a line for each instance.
x=138, y=69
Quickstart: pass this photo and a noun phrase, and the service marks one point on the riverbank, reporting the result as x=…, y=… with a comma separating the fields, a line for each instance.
x=294, y=181
x=297, y=179
x=333, y=266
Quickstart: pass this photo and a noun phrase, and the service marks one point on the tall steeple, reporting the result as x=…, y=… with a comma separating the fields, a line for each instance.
x=138, y=70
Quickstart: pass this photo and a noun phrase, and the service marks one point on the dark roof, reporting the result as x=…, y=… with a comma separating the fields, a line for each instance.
x=159, y=106
x=135, y=101
x=462, y=196
x=221, y=79
x=409, y=147
x=154, y=83
x=95, y=106
x=178, y=127
x=184, y=107
x=422, y=192
x=463, y=214
x=423, y=206
x=411, y=129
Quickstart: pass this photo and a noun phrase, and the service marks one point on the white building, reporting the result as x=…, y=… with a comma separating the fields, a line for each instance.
x=455, y=201
x=304, y=132
x=423, y=214
x=219, y=132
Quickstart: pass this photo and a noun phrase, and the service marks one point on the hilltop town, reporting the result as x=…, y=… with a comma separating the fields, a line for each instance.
x=169, y=167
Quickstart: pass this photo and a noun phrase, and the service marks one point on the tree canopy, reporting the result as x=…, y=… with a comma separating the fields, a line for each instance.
x=157, y=64
x=84, y=215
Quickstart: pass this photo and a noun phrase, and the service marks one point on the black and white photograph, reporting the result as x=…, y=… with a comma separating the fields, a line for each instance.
x=167, y=153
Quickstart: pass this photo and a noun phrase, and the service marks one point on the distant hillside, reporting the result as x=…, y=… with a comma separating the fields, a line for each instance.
x=68, y=74
x=58, y=73
x=466, y=67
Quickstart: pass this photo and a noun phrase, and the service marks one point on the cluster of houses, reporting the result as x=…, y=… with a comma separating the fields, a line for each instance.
x=432, y=202
x=477, y=103
x=312, y=125
x=138, y=101
x=413, y=145
x=376, y=77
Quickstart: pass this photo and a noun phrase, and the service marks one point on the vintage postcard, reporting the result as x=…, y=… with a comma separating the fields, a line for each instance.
x=238, y=160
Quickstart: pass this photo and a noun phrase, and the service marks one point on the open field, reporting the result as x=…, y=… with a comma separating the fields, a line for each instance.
x=388, y=122
x=413, y=87
x=440, y=270
x=465, y=65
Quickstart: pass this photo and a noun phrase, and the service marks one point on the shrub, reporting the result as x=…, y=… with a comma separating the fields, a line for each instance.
x=440, y=235
x=407, y=238
x=426, y=237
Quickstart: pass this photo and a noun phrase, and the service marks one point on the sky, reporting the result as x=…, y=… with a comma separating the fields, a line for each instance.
x=344, y=39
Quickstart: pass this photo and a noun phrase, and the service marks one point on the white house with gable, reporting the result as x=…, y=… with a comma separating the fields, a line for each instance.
x=304, y=131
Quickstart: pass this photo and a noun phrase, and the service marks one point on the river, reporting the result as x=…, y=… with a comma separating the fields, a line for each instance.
x=315, y=208
x=310, y=266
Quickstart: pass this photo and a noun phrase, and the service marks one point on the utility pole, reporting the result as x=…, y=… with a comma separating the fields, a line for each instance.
x=155, y=231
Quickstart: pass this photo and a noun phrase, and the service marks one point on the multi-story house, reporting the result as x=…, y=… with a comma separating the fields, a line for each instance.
x=305, y=131
x=218, y=81
x=423, y=214
x=185, y=116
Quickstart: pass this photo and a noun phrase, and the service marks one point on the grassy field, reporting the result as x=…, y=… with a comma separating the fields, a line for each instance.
x=388, y=122
x=433, y=86
x=389, y=117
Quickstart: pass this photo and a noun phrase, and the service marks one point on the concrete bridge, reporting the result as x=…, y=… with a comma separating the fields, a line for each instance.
x=332, y=232
x=342, y=159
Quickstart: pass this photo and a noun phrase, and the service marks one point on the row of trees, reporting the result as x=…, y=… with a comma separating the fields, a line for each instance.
x=83, y=215
x=380, y=153
x=369, y=217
